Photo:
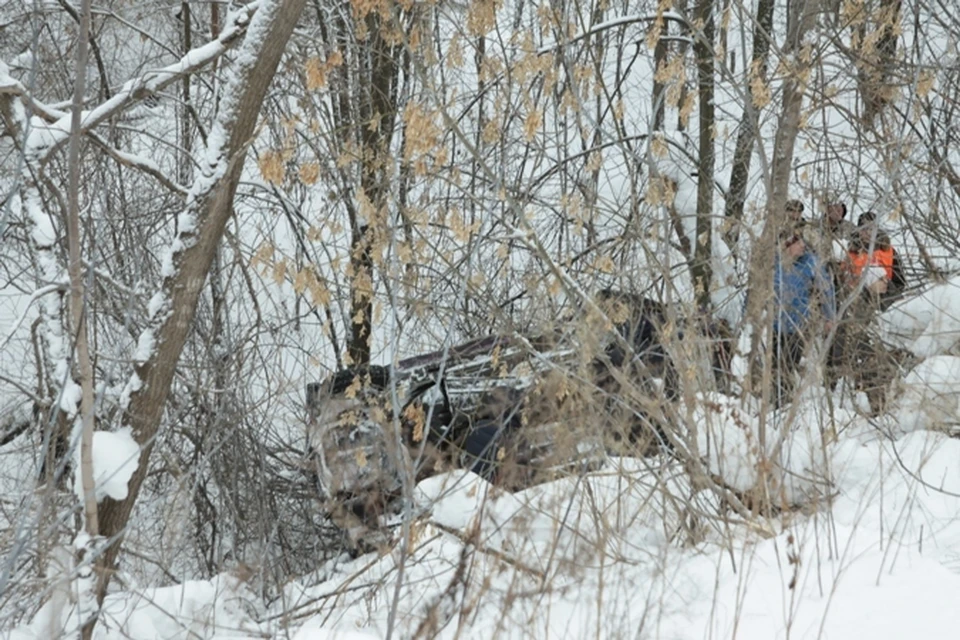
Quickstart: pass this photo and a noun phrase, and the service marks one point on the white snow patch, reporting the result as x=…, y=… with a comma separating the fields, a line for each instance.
x=145, y=346
x=44, y=233
x=800, y=443
x=930, y=395
x=133, y=385
x=186, y=222
x=310, y=633
x=70, y=397
x=456, y=497
x=157, y=302
x=927, y=324
x=166, y=265
x=116, y=456
x=216, y=608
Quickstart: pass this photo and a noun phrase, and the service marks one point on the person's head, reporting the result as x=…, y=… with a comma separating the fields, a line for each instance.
x=794, y=209
x=867, y=227
x=836, y=211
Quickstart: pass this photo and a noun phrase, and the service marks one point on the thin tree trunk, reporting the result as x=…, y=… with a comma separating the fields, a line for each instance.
x=749, y=121
x=87, y=603
x=211, y=203
x=876, y=66
x=377, y=119
x=185, y=172
x=789, y=126
x=75, y=268
x=682, y=52
x=762, y=259
x=703, y=48
x=760, y=307
x=660, y=52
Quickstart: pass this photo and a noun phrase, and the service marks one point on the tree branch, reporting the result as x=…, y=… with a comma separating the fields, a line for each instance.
x=45, y=141
x=208, y=209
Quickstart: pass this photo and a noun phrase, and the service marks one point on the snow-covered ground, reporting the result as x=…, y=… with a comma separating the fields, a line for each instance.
x=631, y=550
x=866, y=539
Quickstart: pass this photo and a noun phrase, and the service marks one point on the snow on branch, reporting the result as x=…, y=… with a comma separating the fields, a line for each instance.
x=221, y=157
x=145, y=165
x=39, y=293
x=55, y=116
x=613, y=24
x=45, y=139
x=116, y=456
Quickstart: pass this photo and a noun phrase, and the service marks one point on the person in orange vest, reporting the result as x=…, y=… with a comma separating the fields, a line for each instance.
x=872, y=260
x=871, y=271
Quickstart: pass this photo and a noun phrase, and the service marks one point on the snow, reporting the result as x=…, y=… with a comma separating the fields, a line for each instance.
x=831, y=575
x=43, y=232
x=167, y=268
x=134, y=384
x=927, y=324
x=116, y=456
x=70, y=397
x=214, y=608
x=7, y=333
x=306, y=633
x=6, y=82
x=157, y=302
x=186, y=222
x=45, y=137
x=870, y=544
x=145, y=345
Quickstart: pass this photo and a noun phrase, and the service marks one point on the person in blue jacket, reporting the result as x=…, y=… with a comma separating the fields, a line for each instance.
x=805, y=303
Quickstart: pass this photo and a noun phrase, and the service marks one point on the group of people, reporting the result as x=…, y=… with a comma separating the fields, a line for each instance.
x=830, y=276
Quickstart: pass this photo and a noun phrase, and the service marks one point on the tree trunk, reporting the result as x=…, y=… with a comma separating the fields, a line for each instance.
x=660, y=53
x=185, y=162
x=703, y=48
x=377, y=119
x=749, y=122
x=763, y=257
x=760, y=303
x=875, y=66
x=211, y=204
x=86, y=598
x=681, y=7
x=789, y=125
x=75, y=268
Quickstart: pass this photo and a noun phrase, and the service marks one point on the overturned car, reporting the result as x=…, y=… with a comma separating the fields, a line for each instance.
x=514, y=409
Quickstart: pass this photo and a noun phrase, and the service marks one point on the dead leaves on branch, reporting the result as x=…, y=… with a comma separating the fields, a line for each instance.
x=672, y=73
x=317, y=70
x=759, y=89
x=423, y=149
x=482, y=16
x=273, y=166
x=281, y=270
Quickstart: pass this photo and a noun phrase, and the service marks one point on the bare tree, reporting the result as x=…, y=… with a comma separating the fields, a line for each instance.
x=760, y=303
x=209, y=209
x=875, y=48
x=757, y=93
x=704, y=50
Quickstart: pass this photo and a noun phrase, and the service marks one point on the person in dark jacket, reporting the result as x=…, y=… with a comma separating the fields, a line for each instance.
x=873, y=261
x=805, y=302
x=872, y=278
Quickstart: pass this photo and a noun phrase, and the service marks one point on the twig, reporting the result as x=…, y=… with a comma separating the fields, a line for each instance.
x=490, y=551
x=39, y=293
